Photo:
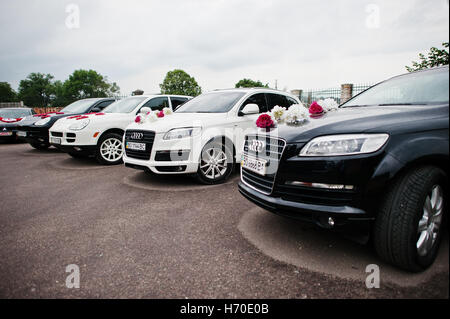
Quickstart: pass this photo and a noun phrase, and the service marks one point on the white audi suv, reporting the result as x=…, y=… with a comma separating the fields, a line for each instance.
x=203, y=137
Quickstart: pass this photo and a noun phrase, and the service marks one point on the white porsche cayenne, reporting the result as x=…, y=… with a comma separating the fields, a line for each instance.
x=101, y=134
x=204, y=136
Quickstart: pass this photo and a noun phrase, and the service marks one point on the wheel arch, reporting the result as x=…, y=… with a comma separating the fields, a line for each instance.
x=224, y=140
x=112, y=130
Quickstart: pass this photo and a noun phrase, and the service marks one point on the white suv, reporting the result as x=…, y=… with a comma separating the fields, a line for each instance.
x=101, y=134
x=204, y=136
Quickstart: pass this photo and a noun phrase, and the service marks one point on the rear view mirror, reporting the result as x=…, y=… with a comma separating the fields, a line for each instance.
x=250, y=109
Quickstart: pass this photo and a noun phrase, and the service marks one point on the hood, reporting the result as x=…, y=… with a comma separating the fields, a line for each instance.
x=94, y=118
x=369, y=119
x=30, y=120
x=180, y=120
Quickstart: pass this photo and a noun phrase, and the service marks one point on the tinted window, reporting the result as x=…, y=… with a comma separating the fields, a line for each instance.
x=79, y=106
x=216, y=102
x=103, y=104
x=426, y=87
x=157, y=104
x=291, y=101
x=258, y=99
x=177, y=101
x=277, y=99
x=13, y=114
x=125, y=106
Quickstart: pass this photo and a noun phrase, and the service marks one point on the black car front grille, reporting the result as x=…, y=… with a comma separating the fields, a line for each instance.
x=266, y=148
x=56, y=134
x=147, y=137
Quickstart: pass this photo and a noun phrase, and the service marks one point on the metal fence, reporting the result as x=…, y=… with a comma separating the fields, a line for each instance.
x=358, y=88
x=308, y=96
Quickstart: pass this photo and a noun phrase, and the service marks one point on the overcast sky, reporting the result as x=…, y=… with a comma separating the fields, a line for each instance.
x=302, y=44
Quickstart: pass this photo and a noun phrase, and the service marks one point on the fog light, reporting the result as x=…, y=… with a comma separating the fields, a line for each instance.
x=77, y=149
x=330, y=221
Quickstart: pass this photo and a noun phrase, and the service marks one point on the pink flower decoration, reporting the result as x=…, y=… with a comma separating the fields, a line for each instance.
x=138, y=119
x=160, y=113
x=315, y=108
x=265, y=121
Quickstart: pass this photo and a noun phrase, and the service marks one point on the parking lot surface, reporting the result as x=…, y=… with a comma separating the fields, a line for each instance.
x=136, y=236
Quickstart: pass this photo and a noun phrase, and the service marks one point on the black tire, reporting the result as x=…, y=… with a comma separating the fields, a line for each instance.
x=396, y=227
x=98, y=153
x=40, y=146
x=220, y=145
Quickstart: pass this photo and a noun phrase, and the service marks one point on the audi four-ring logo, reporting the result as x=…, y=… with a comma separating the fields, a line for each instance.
x=137, y=136
x=256, y=146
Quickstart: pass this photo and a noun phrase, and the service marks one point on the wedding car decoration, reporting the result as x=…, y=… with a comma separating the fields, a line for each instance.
x=297, y=114
x=147, y=115
x=5, y=120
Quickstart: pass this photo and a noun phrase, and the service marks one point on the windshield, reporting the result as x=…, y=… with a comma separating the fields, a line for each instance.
x=124, y=106
x=14, y=114
x=80, y=106
x=429, y=87
x=211, y=103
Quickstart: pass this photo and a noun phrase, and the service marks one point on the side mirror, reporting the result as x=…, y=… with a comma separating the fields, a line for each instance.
x=96, y=109
x=249, y=109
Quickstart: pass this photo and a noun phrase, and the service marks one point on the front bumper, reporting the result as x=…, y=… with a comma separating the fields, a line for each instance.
x=34, y=135
x=185, y=160
x=318, y=214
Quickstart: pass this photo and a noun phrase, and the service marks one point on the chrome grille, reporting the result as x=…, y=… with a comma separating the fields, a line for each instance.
x=148, y=137
x=269, y=149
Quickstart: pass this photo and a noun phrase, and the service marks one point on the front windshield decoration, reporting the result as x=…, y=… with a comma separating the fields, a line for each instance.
x=126, y=105
x=428, y=87
x=80, y=106
x=217, y=102
x=14, y=114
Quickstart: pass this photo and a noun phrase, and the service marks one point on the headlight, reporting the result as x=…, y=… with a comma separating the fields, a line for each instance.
x=79, y=125
x=336, y=145
x=182, y=133
x=42, y=122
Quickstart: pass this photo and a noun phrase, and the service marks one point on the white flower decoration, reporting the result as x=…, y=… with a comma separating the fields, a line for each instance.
x=145, y=110
x=296, y=113
x=328, y=105
x=278, y=113
x=167, y=111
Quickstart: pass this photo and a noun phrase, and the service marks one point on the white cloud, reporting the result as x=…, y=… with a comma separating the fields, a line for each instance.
x=302, y=44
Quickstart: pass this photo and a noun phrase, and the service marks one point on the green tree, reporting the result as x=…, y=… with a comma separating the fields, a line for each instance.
x=59, y=98
x=36, y=90
x=436, y=57
x=248, y=83
x=83, y=84
x=179, y=82
x=7, y=94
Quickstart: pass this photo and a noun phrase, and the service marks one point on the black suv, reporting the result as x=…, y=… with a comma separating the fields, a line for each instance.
x=377, y=164
x=35, y=129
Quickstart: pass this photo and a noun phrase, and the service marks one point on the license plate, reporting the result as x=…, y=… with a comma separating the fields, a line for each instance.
x=55, y=140
x=21, y=133
x=254, y=165
x=135, y=146
x=6, y=133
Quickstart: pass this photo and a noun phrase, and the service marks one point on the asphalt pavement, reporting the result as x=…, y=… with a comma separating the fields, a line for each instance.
x=136, y=236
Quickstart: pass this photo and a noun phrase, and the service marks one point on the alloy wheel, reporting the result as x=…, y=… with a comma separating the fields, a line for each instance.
x=111, y=149
x=430, y=222
x=214, y=163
